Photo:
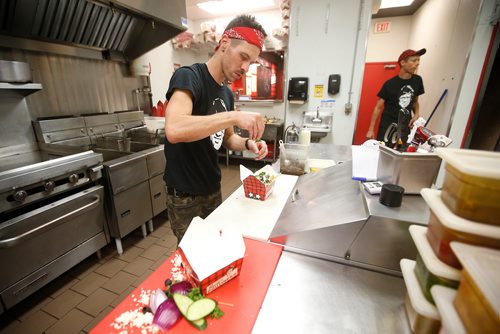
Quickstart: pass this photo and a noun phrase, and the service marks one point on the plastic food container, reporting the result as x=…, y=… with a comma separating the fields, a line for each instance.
x=444, y=227
x=478, y=297
x=293, y=159
x=423, y=316
x=471, y=186
x=450, y=320
x=412, y=171
x=429, y=270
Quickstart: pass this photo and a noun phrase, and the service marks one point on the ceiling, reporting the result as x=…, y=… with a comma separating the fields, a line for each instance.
x=194, y=13
x=399, y=11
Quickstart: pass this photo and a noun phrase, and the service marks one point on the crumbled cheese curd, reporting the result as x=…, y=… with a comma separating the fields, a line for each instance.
x=178, y=272
x=135, y=320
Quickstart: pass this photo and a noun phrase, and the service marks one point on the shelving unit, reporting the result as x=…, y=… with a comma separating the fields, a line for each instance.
x=9, y=89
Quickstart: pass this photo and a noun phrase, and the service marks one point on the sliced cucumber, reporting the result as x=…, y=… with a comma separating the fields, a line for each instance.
x=183, y=302
x=200, y=309
x=200, y=324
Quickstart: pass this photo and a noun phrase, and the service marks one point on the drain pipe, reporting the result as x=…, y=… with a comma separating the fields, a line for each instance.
x=348, y=105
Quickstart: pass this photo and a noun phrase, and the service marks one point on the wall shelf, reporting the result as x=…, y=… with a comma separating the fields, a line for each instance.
x=25, y=89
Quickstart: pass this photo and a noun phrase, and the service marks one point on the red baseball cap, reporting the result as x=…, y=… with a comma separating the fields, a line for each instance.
x=409, y=53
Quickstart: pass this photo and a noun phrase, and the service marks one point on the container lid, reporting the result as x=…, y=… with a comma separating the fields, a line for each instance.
x=472, y=162
x=483, y=266
x=433, y=199
x=450, y=320
x=417, y=299
x=431, y=261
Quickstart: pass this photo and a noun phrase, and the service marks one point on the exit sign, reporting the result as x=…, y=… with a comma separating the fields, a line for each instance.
x=381, y=27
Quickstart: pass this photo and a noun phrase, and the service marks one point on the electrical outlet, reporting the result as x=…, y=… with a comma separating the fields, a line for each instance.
x=348, y=108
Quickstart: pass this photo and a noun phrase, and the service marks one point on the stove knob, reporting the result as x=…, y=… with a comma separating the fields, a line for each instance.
x=20, y=195
x=73, y=178
x=49, y=186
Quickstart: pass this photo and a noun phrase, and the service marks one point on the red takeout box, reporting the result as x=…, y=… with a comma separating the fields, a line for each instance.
x=211, y=256
x=258, y=185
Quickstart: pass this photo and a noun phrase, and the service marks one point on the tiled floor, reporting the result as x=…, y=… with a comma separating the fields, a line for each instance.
x=76, y=301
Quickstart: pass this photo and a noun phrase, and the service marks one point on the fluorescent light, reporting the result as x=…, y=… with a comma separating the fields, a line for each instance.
x=232, y=6
x=395, y=3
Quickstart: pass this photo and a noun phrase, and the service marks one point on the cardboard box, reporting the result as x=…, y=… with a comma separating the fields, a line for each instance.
x=258, y=185
x=211, y=256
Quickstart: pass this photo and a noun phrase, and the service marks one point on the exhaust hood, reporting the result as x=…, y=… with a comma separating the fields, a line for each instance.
x=114, y=29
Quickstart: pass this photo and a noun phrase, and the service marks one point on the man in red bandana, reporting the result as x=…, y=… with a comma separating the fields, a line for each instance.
x=199, y=120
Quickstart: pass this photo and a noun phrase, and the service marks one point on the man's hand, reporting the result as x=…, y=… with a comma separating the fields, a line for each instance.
x=259, y=148
x=369, y=134
x=412, y=120
x=252, y=122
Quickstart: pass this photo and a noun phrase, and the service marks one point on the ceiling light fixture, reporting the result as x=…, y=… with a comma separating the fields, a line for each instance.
x=231, y=6
x=395, y=3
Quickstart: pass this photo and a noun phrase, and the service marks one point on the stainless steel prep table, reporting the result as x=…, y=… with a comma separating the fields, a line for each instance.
x=330, y=216
x=311, y=295
x=333, y=231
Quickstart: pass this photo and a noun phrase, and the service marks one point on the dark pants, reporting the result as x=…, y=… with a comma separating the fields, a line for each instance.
x=182, y=210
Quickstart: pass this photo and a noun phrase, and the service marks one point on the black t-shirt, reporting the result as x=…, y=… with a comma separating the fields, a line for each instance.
x=399, y=98
x=194, y=167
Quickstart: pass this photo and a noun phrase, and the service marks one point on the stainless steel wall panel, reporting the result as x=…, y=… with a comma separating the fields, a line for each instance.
x=73, y=86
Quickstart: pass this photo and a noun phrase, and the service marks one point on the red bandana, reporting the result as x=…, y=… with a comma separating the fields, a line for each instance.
x=252, y=36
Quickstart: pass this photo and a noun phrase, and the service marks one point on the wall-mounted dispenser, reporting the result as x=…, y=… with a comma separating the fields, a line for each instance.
x=297, y=89
x=334, y=83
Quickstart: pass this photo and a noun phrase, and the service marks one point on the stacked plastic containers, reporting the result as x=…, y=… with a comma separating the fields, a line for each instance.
x=454, y=284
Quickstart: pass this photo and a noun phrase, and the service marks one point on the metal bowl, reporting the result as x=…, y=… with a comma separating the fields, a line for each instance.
x=15, y=71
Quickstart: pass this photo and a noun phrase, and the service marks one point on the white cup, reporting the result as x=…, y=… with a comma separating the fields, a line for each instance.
x=305, y=137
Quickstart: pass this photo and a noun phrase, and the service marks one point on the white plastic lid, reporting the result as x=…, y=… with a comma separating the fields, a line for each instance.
x=450, y=320
x=483, y=265
x=433, y=199
x=472, y=162
x=421, y=305
x=431, y=261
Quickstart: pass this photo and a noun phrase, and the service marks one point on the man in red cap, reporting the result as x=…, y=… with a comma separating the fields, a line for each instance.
x=198, y=122
x=398, y=98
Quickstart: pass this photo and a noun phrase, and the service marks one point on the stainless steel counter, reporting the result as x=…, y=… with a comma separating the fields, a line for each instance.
x=310, y=295
x=330, y=216
x=339, y=272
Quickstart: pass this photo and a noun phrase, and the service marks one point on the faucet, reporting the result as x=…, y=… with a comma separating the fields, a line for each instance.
x=317, y=119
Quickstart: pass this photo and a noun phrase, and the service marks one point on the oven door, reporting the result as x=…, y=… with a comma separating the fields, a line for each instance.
x=39, y=245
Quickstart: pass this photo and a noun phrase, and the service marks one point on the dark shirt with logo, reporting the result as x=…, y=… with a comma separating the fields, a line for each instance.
x=399, y=99
x=194, y=167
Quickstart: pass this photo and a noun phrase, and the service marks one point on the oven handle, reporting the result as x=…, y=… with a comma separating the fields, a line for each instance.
x=5, y=243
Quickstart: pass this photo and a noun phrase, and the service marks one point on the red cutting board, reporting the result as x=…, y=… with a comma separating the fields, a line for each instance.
x=240, y=298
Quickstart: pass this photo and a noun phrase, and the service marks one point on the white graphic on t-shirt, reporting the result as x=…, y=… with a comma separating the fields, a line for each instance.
x=405, y=99
x=218, y=105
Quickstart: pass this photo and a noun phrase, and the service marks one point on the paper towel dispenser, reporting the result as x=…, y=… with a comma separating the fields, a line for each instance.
x=334, y=83
x=297, y=89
